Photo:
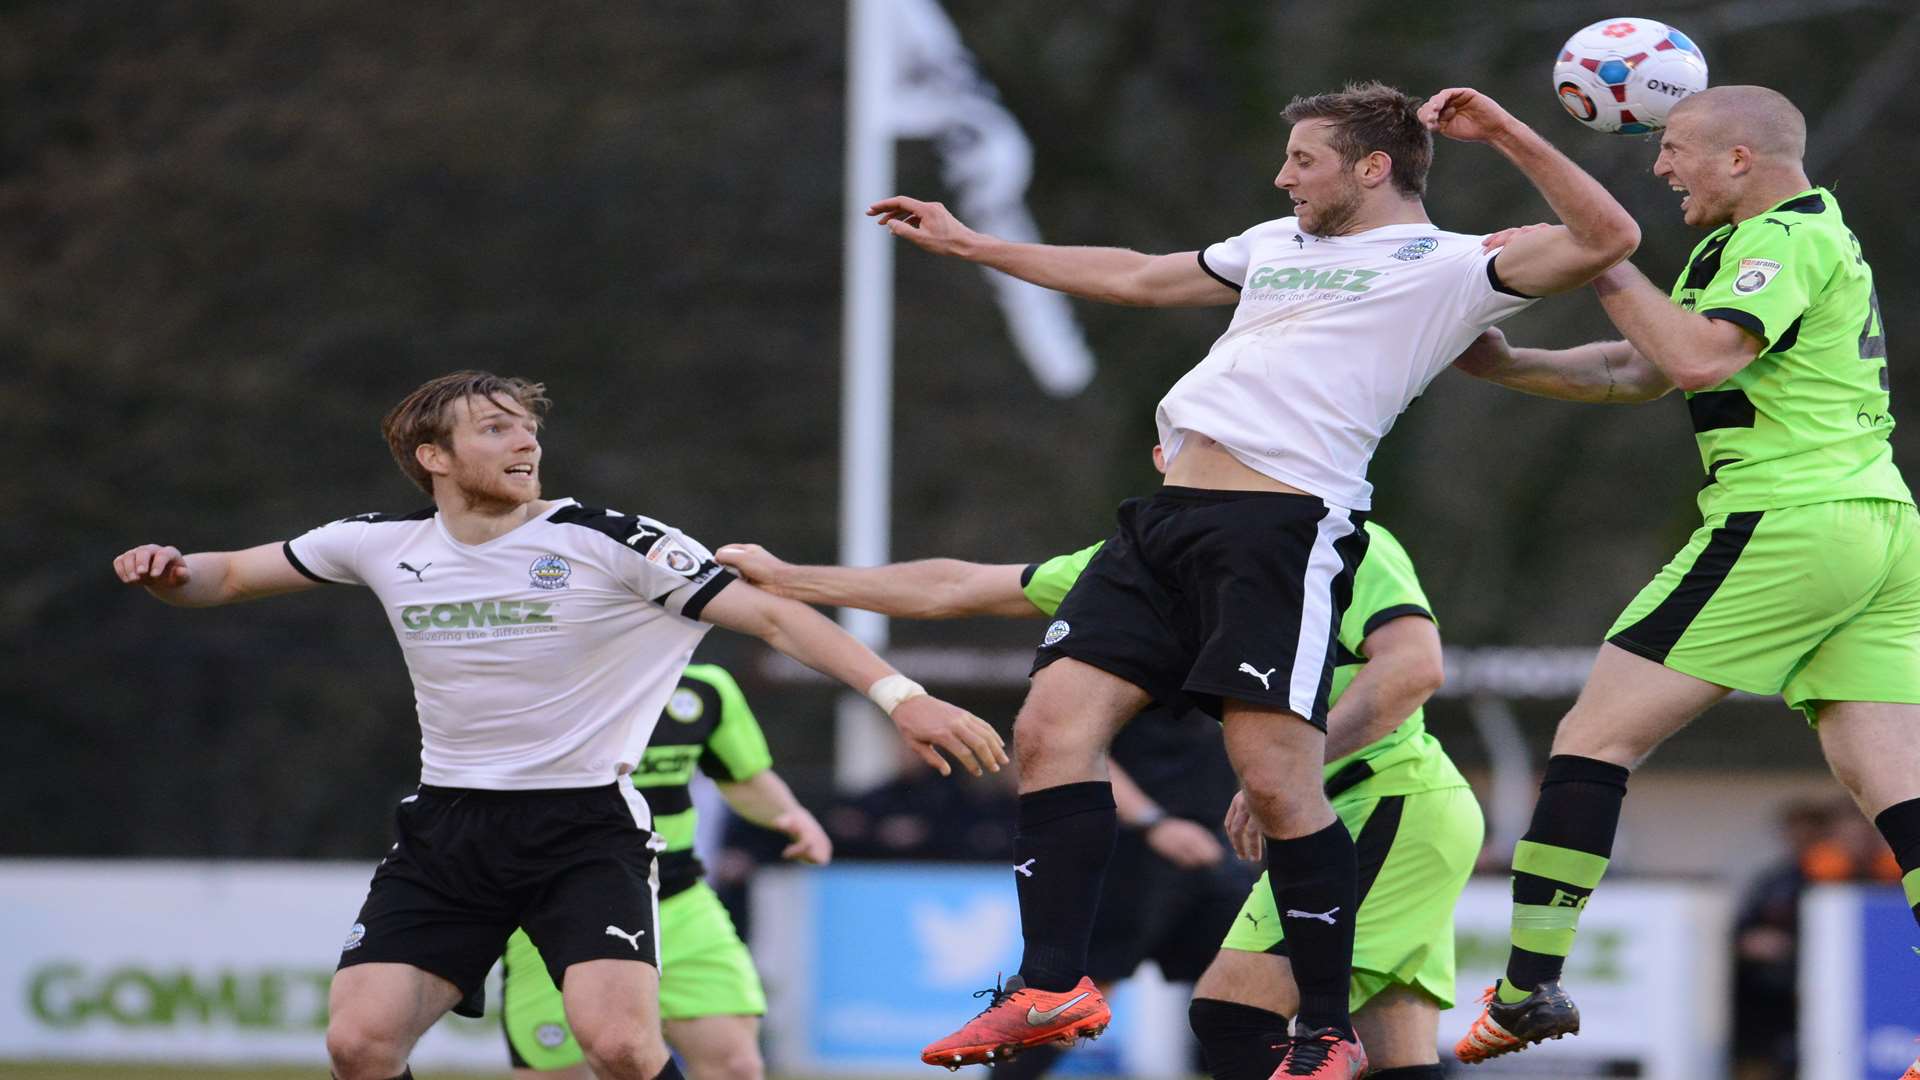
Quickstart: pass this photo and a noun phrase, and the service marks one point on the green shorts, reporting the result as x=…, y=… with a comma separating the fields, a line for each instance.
x=704, y=971
x=1816, y=603
x=1416, y=853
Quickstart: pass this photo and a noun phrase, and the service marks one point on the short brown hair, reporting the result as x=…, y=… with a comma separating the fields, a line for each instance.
x=1369, y=116
x=425, y=416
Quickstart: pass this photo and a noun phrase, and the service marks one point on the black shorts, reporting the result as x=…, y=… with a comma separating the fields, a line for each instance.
x=571, y=865
x=1151, y=909
x=1210, y=595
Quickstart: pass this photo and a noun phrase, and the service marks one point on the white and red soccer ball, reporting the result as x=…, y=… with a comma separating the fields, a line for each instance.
x=1622, y=76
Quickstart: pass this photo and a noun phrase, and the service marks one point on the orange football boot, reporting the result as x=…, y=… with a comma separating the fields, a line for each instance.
x=1018, y=1017
x=1547, y=1013
x=1325, y=1053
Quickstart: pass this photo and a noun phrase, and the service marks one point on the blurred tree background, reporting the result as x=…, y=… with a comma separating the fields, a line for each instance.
x=232, y=234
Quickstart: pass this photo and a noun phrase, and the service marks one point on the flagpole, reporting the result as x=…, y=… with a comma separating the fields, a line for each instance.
x=863, y=745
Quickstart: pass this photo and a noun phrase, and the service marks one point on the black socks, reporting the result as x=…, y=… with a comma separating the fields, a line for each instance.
x=1060, y=856
x=1314, y=886
x=1558, y=863
x=1900, y=824
x=1239, y=1042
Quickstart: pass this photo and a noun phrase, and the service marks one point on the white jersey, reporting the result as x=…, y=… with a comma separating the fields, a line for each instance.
x=1333, y=338
x=541, y=658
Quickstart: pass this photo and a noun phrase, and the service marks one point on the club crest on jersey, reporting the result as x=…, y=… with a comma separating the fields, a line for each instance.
x=1056, y=632
x=355, y=936
x=685, y=706
x=549, y=572
x=1416, y=249
x=669, y=553
x=1754, y=275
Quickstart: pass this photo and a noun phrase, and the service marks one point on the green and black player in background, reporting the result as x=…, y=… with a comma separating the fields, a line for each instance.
x=1414, y=819
x=711, y=1000
x=1803, y=579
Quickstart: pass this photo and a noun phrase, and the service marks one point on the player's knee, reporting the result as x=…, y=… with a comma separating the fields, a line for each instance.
x=1847, y=770
x=361, y=1050
x=1279, y=800
x=1044, y=734
x=622, y=1051
x=734, y=1063
x=1590, y=733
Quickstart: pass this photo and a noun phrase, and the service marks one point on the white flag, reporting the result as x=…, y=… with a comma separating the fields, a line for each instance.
x=987, y=161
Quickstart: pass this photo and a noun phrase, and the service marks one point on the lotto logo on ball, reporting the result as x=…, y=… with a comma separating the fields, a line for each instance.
x=1623, y=76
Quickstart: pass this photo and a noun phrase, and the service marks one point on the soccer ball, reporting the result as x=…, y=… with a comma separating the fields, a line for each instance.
x=1623, y=75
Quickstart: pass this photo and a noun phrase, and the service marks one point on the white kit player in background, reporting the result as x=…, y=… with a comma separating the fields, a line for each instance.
x=1345, y=311
x=543, y=638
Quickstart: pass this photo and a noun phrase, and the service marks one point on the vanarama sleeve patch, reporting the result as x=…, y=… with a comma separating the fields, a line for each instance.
x=1768, y=276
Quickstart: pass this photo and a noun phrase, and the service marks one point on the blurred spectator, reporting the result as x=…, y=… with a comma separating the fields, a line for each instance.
x=1851, y=849
x=1766, y=998
x=916, y=815
x=920, y=815
x=1827, y=841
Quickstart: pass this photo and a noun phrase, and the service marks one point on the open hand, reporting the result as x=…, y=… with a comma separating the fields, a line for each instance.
x=1249, y=842
x=929, y=225
x=1186, y=844
x=1487, y=354
x=1494, y=241
x=928, y=723
x=810, y=842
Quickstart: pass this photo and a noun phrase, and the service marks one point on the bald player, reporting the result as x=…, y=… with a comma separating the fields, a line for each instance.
x=1804, y=576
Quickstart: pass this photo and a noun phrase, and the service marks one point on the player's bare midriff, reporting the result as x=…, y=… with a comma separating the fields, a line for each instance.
x=1204, y=463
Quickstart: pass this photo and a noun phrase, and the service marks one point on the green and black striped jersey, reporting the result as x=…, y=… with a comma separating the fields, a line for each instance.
x=707, y=726
x=1807, y=421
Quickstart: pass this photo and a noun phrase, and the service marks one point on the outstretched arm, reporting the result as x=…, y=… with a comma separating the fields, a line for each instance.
x=926, y=589
x=813, y=639
x=1109, y=275
x=1601, y=373
x=1691, y=350
x=766, y=800
x=210, y=578
x=1596, y=231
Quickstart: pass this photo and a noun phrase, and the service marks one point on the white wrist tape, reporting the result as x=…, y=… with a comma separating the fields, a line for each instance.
x=889, y=692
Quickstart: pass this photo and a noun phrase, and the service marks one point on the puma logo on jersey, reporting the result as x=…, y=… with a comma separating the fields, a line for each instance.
x=418, y=575
x=1025, y=869
x=1782, y=224
x=1263, y=676
x=632, y=939
x=1301, y=240
x=1325, y=916
x=1252, y=918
